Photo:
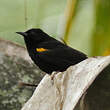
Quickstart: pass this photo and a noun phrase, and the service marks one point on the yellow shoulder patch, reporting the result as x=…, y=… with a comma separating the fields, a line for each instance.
x=41, y=49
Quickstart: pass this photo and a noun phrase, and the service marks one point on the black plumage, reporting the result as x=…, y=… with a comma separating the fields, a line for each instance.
x=48, y=53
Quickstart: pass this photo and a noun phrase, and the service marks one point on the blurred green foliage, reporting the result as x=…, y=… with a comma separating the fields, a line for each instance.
x=101, y=36
x=82, y=26
x=89, y=30
x=20, y=15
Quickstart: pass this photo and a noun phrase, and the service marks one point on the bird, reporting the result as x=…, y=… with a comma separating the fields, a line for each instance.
x=48, y=53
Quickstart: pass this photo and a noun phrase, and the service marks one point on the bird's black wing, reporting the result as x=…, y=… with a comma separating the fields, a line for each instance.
x=60, y=54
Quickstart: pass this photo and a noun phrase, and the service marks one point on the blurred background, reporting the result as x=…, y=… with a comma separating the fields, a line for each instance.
x=83, y=24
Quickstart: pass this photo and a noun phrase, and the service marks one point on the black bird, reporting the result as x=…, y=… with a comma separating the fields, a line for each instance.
x=48, y=53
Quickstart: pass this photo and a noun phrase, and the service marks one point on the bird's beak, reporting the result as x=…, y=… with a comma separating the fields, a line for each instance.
x=22, y=33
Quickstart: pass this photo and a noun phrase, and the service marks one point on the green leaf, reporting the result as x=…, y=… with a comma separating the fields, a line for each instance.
x=82, y=26
x=101, y=38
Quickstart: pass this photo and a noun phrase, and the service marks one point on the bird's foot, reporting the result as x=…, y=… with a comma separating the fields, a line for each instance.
x=53, y=75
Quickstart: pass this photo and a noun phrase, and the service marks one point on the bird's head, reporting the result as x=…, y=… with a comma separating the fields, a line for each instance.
x=33, y=34
x=33, y=37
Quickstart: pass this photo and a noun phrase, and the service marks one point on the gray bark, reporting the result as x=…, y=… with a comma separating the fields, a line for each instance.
x=15, y=67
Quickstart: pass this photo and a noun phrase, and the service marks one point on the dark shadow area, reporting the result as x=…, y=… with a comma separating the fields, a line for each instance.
x=98, y=94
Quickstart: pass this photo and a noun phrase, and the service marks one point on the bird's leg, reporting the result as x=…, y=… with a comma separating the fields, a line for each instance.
x=53, y=74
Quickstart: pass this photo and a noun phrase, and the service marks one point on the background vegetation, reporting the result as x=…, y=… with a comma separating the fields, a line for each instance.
x=84, y=24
